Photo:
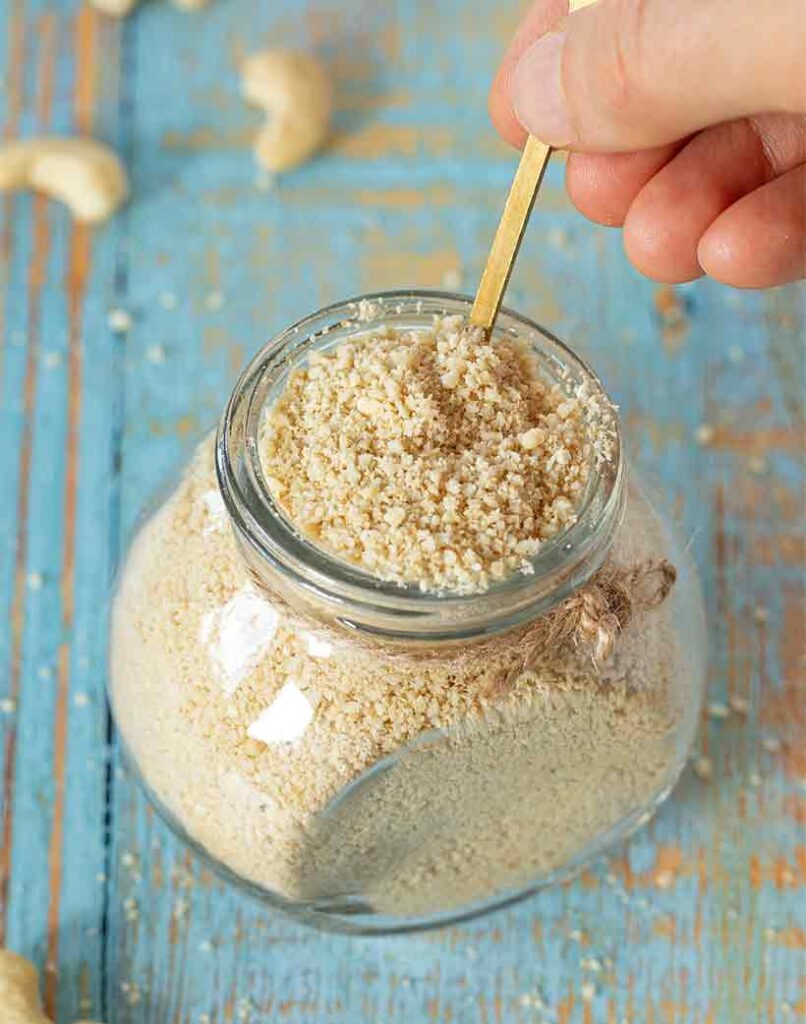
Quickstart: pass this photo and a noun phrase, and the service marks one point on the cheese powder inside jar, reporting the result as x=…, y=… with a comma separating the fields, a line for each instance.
x=405, y=642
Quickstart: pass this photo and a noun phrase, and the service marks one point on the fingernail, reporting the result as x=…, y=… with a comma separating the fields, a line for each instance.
x=538, y=97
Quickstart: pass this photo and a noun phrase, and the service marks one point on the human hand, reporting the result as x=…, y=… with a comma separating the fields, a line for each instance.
x=686, y=123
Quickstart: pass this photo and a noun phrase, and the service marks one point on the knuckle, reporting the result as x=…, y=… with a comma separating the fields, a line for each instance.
x=623, y=81
x=781, y=138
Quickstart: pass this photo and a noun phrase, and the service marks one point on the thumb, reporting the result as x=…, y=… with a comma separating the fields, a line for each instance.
x=630, y=74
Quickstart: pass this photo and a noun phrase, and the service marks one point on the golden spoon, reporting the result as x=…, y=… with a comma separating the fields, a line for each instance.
x=507, y=241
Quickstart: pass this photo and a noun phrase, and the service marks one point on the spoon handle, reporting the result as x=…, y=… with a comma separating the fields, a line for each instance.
x=508, y=237
x=506, y=243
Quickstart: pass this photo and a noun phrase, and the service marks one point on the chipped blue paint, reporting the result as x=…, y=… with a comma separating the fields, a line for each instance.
x=724, y=943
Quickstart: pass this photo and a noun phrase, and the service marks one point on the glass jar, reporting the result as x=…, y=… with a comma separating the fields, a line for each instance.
x=374, y=758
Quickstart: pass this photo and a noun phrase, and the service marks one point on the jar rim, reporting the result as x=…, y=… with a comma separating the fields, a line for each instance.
x=353, y=596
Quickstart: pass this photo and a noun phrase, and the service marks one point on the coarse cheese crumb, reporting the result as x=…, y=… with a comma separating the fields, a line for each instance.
x=739, y=704
x=452, y=279
x=155, y=354
x=704, y=768
x=664, y=878
x=718, y=710
x=265, y=181
x=429, y=457
x=705, y=434
x=120, y=321
x=50, y=360
x=132, y=992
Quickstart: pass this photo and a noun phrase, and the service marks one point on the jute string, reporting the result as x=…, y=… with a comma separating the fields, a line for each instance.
x=596, y=614
x=591, y=620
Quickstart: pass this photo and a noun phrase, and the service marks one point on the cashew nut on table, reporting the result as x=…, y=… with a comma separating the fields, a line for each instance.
x=83, y=173
x=19, y=991
x=120, y=8
x=296, y=92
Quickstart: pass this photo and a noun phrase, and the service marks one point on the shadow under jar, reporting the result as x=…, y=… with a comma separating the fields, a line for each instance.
x=374, y=757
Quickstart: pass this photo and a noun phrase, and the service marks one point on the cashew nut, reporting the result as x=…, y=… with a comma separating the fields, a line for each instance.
x=115, y=8
x=295, y=90
x=120, y=8
x=83, y=173
x=19, y=991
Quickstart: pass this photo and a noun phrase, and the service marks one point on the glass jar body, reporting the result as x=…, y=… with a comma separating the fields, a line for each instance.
x=372, y=785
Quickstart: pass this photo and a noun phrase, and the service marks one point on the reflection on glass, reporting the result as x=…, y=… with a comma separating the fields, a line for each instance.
x=237, y=634
x=215, y=510
x=317, y=647
x=285, y=719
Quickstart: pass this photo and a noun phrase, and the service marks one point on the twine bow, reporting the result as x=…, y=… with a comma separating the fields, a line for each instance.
x=591, y=619
x=599, y=611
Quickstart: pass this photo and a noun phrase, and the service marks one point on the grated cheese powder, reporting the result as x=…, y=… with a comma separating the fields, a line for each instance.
x=434, y=457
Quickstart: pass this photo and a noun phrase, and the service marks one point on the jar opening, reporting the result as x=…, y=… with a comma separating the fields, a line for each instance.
x=308, y=574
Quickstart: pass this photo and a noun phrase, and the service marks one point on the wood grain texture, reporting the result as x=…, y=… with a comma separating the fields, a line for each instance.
x=702, y=919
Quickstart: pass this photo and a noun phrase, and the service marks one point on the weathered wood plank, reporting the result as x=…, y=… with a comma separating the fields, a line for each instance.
x=701, y=920
x=59, y=539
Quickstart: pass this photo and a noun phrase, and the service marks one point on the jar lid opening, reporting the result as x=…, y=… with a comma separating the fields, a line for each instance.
x=351, y=594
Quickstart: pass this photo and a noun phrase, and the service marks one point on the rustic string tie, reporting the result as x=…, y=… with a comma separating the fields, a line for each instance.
x=592, y=620
x=594, y=617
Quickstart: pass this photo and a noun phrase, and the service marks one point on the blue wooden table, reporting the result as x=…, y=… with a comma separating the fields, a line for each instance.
x=702, y=920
